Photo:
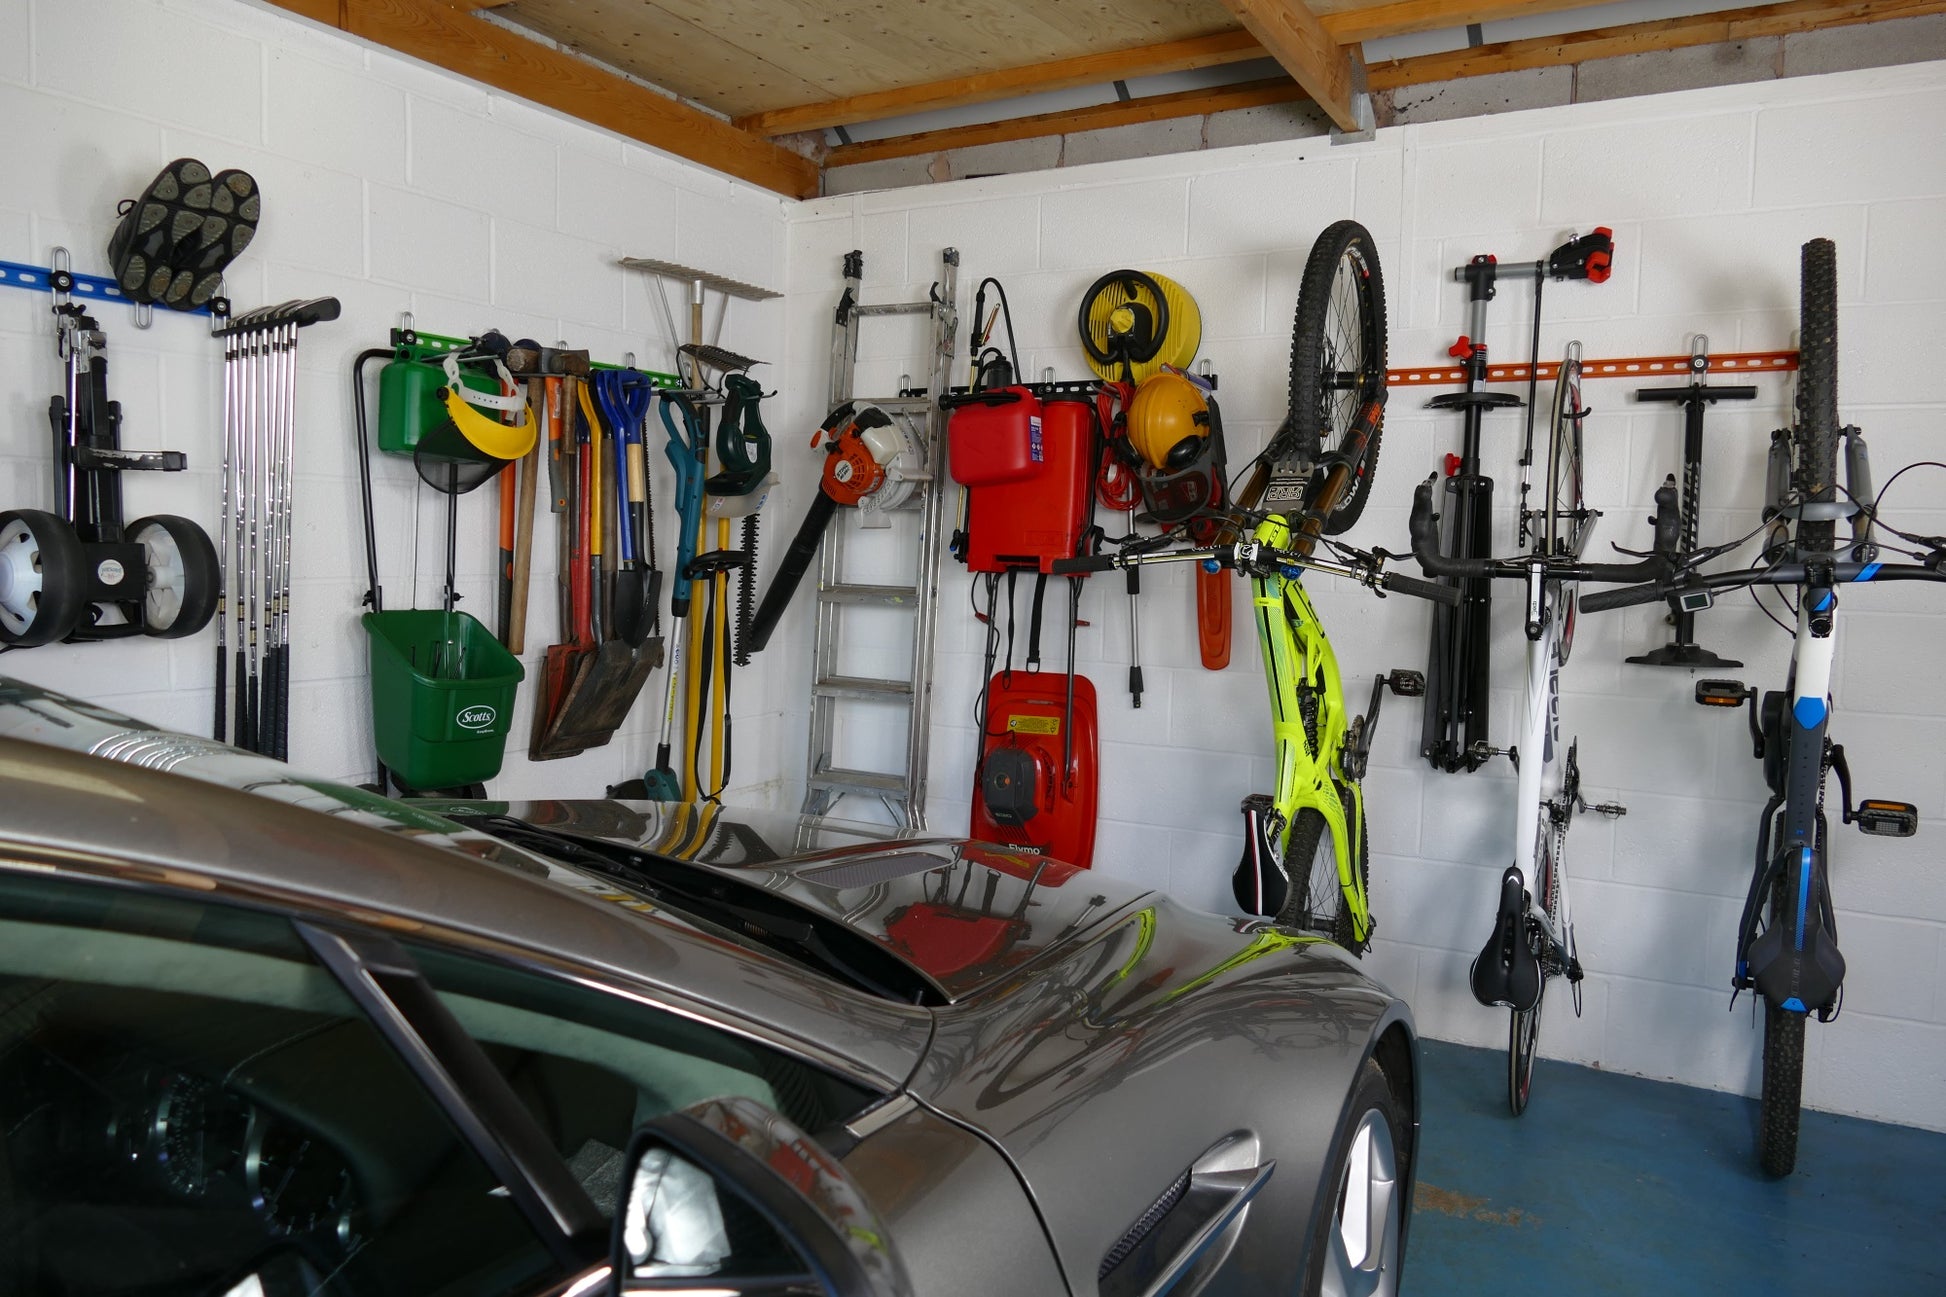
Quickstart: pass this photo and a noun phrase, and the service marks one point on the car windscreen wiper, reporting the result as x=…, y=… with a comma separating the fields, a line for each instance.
x=760, y=917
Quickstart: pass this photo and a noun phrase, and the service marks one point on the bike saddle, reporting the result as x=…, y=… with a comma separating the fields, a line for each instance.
x=1796, y=980
x=1260, y=883
x=1506, y=972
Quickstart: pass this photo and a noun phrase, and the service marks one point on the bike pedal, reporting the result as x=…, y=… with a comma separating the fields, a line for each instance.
x=1407, y=684
x=1723, y=693
x=1886, y=819
x=1610, y=809
x=1574, y=969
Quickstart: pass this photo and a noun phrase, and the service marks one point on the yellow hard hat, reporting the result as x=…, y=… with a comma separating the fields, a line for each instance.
x=1168, y=420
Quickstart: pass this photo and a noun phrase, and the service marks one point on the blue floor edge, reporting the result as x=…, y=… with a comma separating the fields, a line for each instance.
x=1620, y=1184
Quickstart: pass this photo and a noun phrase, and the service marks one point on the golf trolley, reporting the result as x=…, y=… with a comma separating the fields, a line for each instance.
x=79, y=573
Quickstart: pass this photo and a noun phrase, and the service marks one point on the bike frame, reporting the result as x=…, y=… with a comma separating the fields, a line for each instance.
x=1542, y=782
x=1296, y=651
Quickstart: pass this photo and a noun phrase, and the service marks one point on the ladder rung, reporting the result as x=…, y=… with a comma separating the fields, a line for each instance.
x=895, y=308
x=896, y=402
x=861, y=781
x=893, y=595
x=861, y=687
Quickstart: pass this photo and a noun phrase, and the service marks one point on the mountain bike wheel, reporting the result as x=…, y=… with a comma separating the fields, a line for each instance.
x=1317, y=900
x=1816, y=433
x=1783, y=1072
x=1338, y=355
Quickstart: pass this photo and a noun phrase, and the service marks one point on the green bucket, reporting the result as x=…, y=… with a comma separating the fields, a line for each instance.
x=442, y=696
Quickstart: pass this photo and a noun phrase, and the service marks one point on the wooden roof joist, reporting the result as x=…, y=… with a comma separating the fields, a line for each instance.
x=1507, y=56
x=1401, y=18
x=450, y=36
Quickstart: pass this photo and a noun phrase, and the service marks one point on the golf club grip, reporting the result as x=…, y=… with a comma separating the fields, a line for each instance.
x=222, y=726
x=803, y=548
x=242, y=738
x=1087, y=563
x=1399, y=583
x=1625, y=596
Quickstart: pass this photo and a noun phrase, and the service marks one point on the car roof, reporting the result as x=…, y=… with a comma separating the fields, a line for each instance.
x=328, y=850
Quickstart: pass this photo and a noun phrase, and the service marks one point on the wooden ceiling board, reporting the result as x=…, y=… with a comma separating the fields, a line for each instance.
x=648, y=42
x=744, y=57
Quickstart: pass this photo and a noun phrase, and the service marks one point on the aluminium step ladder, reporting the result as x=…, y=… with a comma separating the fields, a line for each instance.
x=918, y=413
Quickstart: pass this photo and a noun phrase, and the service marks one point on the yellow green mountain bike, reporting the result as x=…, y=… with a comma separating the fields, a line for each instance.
x=1305, y=858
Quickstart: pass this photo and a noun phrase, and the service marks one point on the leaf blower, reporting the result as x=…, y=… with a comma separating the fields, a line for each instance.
x=864, y=440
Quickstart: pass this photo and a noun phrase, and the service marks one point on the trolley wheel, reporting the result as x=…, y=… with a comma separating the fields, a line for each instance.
x=183, y=577
x=43, y=572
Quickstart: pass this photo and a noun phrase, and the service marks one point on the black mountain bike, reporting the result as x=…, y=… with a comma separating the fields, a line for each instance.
x=1787, y=944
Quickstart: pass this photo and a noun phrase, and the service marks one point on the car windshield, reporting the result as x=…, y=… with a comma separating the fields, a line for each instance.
x=726, y=907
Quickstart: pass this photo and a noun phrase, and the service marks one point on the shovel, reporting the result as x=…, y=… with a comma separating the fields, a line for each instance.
x=624, y=397
x=607, y=685
x=564, y=664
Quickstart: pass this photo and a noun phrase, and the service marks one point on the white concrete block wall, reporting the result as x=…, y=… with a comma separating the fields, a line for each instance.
x=1710, y=192
x=394, y=187
x=398, y=187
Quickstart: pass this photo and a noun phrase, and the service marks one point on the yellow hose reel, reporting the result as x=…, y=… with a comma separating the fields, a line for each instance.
x=1133, y=323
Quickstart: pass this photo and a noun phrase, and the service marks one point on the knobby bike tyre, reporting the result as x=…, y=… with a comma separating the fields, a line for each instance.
x=1338, y=354
x=1783, y=1072
x=1317, y=900
x=1816, y=433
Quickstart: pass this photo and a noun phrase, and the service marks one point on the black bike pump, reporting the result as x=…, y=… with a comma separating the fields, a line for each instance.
x=1682, y=650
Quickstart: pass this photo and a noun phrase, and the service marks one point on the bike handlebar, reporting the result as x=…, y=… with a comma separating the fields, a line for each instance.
x=1776, y=574
x=1259, y=559
x=1425, y=547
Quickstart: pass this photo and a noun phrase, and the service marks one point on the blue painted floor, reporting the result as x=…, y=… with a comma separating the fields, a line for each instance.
x=1614, y=1184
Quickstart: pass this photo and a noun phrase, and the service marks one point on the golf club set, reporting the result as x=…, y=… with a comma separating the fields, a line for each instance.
x=79, y=573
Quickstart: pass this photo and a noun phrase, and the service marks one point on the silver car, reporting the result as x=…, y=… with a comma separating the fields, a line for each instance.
x=265, y=1035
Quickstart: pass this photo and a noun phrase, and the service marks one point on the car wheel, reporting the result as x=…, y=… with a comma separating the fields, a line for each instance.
x=1357, y=1242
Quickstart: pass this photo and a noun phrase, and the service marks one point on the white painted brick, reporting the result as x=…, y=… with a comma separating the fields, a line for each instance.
x=1898, y=265
x=15, y=49
x=1668, y=1032
x=1868, y=149
x=363, y=132
x=420, y=240
x=544, y=271
x=1141, y=222
x=1740, y=261
x=72, y=58
x=997, y=237
x=1884, y=1068
x=735, y=238
x=1227, y=208
x=1681, y=167
x=1486, y=187
x=75, y=162
x=460, y=155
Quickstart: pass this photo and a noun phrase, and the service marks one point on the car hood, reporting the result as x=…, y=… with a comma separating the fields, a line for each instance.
x=961, y=915
x=964, y=915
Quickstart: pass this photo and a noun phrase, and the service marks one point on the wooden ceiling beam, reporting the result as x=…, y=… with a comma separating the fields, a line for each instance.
x=445, y=35
x=1407, y=17
x=1149, y=108
x=1007, y=83
x=1315, y=60
x=1508, y=56
x=1644, y=37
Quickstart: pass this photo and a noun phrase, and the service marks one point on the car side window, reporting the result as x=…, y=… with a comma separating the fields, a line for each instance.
x=189, y=1103
x=591, y=1065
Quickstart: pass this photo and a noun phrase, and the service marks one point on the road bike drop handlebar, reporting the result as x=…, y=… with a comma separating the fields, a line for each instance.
x=1654, y=567
x=1254, y=558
